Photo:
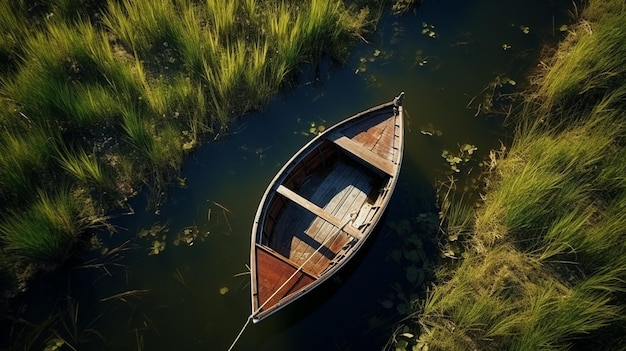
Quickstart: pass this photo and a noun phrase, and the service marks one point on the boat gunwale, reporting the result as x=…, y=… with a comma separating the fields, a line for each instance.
x=259, y=314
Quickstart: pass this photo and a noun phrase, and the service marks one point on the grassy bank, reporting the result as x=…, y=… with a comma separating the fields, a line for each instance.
x=102, y=97
x=545, y=261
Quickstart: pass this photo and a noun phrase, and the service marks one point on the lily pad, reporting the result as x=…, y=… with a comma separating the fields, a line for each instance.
x=188, y=236
x=157, y=247
x=156, y=229
x=401, y=227
x=402, y=308
x=412, y=273
x=54, y=344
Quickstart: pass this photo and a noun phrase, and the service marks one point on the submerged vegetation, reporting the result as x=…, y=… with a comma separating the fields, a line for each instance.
x=101, y=97
x=544, y=263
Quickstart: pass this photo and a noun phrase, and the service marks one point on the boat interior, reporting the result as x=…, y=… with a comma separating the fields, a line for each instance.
x=321, y=208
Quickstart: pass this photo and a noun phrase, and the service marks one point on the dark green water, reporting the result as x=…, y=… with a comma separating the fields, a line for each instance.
x=178, y=299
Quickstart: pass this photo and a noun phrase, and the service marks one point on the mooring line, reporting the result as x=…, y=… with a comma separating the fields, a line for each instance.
x=240, y=333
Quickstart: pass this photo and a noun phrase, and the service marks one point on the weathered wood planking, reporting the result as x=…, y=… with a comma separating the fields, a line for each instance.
x=365, y=154
x=323, y=204
x=276, y=272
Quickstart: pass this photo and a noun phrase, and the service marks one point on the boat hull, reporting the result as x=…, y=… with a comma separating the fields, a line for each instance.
x=323, y=205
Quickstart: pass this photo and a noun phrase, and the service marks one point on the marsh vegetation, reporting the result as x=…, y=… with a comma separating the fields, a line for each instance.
x=100, y=98
x=544, y=260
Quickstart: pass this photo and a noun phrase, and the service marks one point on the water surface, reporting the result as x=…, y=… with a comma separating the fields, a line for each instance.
x=196, y=297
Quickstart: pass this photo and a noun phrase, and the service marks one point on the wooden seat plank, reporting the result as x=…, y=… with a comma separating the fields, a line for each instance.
x=363, y=153
x=318, y=211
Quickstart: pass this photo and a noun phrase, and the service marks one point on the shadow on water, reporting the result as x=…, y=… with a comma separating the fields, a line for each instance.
x=146, y=293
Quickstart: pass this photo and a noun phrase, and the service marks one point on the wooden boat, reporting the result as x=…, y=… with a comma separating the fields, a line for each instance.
x=323, y=205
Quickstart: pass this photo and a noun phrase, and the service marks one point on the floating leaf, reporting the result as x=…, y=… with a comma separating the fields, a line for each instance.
x=412, y=255
x=428, y=30
x=525, y=29
x=54, y=344
x=412, y=273
x=415, y=240
x=402, y=308
x=157, y=247
x=223, y=290
x=402, y=345
x=401, y=227
x=469, y=148
x=506, y=46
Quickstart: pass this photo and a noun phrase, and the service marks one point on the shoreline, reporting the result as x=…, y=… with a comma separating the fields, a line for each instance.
x=544, y=261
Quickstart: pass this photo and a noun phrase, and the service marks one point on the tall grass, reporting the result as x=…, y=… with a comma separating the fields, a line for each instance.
x=66, y=84
x=24, y=160
x=285, y=35
x=129, y=86
x=12, y=32
x=143, y=26
x=590, y=69
x=85, y=168
x=545, y=265
x=47, y=231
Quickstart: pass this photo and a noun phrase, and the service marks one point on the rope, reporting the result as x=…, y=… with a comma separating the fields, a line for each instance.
x=240, y=333
x=283, y=285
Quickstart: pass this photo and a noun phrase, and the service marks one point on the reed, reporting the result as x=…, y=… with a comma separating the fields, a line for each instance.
x=65, y=83
x=85, y=168
x=46, y=231
x=223, y=18
x=284, y=31
x=24, y=159
x=12, y=32
x=593, y=67
x=547, y=240
x=143, y=26
x=200, y=43
x=150, y=75
x=138, y=132
x=167, y=153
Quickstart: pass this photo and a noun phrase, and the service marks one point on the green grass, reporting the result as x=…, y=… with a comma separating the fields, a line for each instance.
x=47, y=231
x=86, y=168
x=109, y=96
x=544, y=265
x=23, y=162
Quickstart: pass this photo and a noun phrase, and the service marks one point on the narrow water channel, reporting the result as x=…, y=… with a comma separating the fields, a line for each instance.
x=447, y=57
